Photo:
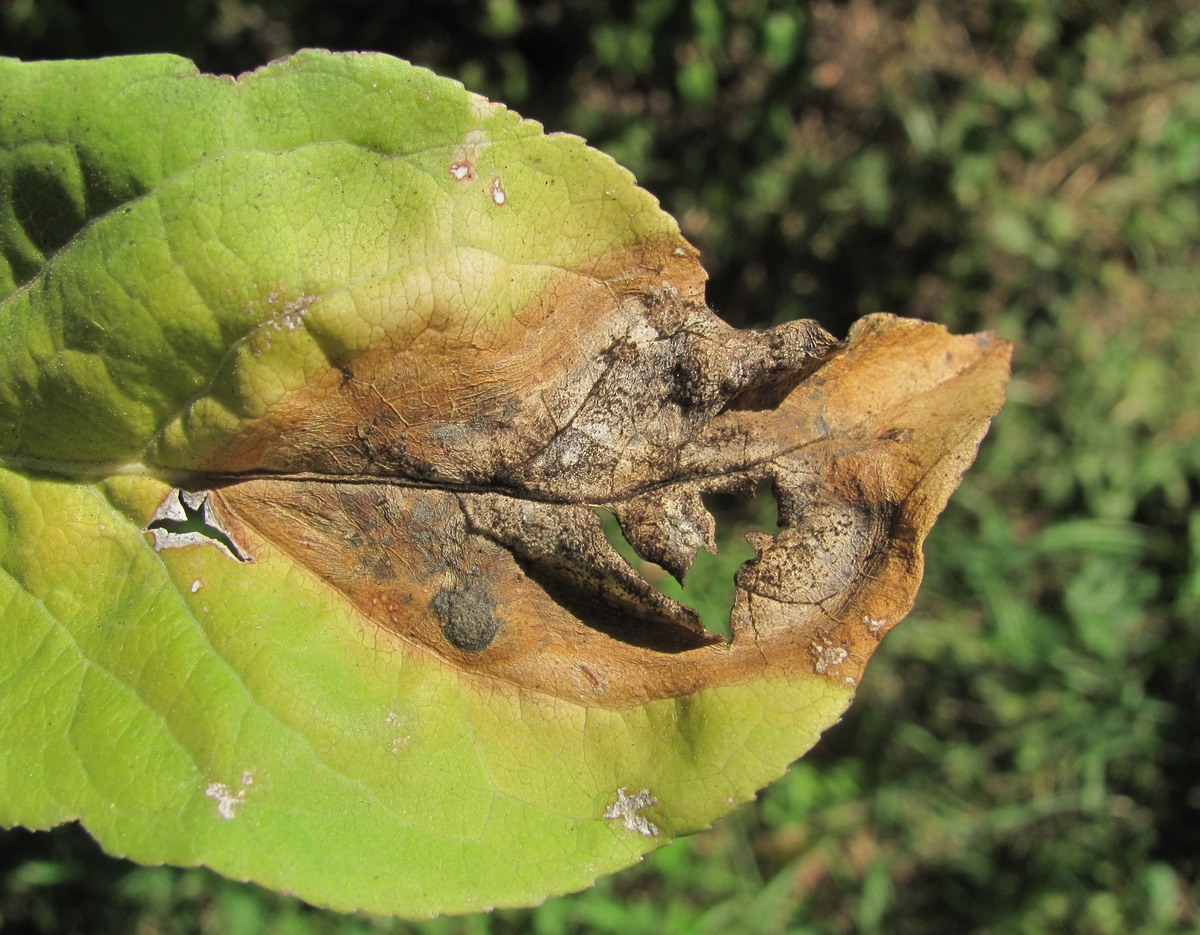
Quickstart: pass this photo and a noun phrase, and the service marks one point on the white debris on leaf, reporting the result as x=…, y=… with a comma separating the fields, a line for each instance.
x=227, y=799
x=466, y=155
x=626, y=808
x=498, y=194
x=875, y=626
x=403, y=736
x=828, y=656
x=288, y=318
x=291, y=316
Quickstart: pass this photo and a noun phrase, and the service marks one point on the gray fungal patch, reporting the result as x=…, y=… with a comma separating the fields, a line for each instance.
x=467, y=614
x=435, y=524
x=820, y=552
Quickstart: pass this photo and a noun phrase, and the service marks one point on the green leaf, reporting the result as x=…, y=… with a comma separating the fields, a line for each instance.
x=310, y=384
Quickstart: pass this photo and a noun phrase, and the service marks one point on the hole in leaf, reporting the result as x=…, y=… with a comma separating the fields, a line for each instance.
x=187, y=518
x=709, y=588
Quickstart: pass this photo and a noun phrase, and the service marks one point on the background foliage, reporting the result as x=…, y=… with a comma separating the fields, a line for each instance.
x=1021, y=756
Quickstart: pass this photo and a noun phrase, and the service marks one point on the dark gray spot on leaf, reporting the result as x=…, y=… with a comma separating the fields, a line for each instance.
x=467, y=615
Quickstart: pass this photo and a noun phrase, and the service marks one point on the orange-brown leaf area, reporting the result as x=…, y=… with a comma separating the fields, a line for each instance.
x=449, y=488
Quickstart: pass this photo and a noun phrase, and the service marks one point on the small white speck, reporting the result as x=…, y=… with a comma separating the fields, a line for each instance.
x=498, y=194
x=291, y=316
x=569, y=454
x=828, y=656
x=875, y=626
x=196, y=585
x=227, y=800
x=679, y=251
x=401, y=740
x=626, y=807
x=461, y=171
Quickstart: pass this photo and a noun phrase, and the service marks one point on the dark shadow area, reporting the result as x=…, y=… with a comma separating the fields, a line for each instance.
x=606, y=612
x=54, y=882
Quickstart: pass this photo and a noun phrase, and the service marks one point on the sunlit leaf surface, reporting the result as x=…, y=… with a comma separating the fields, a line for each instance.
x=314, y=387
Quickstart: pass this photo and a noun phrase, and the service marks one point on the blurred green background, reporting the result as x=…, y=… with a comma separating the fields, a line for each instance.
x=1019, y=758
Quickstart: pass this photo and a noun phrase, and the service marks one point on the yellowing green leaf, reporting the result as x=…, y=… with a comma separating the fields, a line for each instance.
x=311, y=384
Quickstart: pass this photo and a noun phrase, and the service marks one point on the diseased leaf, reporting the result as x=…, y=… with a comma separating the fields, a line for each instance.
x=311, y=385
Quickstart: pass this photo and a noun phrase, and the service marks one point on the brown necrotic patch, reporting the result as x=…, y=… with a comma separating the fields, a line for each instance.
x=468, y=401
x=454, y=503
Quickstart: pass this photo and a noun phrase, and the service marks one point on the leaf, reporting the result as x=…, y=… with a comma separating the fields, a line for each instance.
x=312, y=383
